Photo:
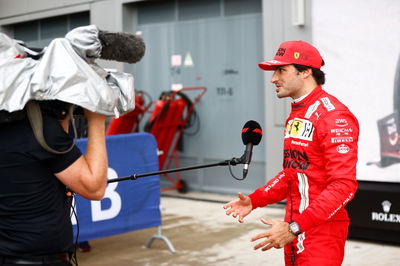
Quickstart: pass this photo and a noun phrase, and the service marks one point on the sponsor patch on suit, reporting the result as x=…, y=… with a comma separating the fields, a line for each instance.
x=300, y=129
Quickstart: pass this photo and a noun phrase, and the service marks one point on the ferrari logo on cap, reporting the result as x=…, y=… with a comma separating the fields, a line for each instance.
x=296, y=55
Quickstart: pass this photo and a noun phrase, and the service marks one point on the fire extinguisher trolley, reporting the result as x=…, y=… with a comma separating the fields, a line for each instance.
x=167, y=122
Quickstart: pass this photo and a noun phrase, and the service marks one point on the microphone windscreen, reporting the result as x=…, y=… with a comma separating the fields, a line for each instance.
x=251, y=133
x=121, y=46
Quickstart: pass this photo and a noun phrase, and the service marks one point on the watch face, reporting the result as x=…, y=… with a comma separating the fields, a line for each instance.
x=294, y=227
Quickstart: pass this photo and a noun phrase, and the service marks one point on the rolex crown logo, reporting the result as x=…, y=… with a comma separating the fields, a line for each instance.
x=386, y=206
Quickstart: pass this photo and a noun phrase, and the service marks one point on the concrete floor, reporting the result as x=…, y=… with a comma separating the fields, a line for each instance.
x=202, y=234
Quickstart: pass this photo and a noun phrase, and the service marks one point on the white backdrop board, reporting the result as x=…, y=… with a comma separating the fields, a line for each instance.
x=360, y=43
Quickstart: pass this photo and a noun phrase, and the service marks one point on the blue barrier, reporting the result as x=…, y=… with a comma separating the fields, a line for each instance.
x=127, y=205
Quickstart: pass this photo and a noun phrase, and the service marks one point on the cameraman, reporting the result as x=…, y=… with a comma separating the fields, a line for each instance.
x=35, y=209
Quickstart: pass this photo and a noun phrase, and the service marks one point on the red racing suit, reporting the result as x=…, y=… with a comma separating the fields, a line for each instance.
x=318, y=178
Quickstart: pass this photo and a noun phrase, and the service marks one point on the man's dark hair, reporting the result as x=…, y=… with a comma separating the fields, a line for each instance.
x=318, y=74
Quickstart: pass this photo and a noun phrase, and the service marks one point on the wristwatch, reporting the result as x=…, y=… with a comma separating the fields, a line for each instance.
x=294, y=228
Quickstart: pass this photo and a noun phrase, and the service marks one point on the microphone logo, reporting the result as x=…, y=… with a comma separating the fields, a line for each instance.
x=251, y=135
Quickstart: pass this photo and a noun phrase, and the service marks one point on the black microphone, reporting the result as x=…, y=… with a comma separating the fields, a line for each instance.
x=251, y=135
x=121, y=46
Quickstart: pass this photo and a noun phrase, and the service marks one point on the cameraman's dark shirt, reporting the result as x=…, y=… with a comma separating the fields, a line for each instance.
x=34, y=208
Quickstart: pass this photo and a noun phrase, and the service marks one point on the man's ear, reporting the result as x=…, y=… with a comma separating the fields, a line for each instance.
x=306, y=73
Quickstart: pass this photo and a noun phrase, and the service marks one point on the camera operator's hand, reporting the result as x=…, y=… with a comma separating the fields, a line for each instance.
x=87, y=176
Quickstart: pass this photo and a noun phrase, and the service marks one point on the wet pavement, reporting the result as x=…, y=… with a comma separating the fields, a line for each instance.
x=198, y=230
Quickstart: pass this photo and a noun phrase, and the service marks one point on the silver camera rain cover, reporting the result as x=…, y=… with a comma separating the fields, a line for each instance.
x=67, y=72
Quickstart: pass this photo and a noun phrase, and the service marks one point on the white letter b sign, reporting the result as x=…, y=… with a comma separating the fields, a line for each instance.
x=97, y=213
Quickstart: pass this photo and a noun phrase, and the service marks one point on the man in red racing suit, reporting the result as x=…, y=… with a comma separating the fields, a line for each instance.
x=318, y=177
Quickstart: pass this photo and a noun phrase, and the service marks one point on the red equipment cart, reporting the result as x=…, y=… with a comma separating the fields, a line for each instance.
x=167, y=122
x=129, y=122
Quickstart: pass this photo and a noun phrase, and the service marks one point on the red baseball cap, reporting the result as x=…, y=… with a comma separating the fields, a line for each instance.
x=294, y=52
